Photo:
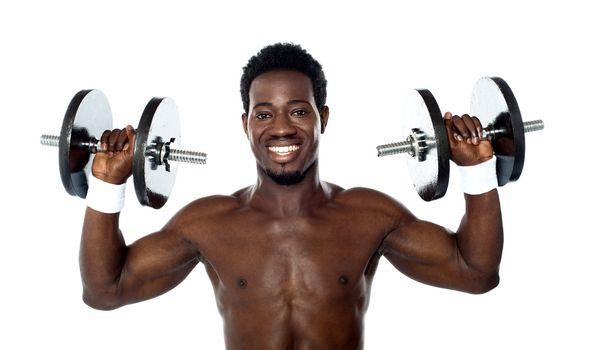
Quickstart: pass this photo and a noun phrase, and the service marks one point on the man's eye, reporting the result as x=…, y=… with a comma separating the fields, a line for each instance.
x=262, y=115
x=299, y=113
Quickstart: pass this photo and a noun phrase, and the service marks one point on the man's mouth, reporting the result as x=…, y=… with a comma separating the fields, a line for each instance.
x=284, y=150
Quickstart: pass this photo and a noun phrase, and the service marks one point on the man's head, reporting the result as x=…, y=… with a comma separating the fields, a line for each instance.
x=284, y=56
x=283, y=118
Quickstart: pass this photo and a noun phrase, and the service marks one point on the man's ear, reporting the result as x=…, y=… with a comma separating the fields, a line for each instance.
x=324, y=115
x=245, y=124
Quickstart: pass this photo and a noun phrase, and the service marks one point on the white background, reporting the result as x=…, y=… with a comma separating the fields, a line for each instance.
x=372, y=52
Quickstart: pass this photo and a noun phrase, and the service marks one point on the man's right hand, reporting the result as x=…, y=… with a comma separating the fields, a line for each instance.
x=115, y=163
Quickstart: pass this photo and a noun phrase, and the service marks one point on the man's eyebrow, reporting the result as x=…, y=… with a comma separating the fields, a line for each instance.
x=262, y=104
x=290, y=102
x=298, y=101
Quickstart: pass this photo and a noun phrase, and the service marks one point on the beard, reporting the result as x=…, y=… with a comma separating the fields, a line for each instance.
x=288, y=179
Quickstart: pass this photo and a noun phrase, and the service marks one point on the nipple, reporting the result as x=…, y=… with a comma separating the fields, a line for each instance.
x=242, y=283
x=343, y=280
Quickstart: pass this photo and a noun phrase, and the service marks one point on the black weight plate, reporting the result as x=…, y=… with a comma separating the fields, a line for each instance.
x=493, y=102
x=159, y=123
x=430, y=176
x=88, y=116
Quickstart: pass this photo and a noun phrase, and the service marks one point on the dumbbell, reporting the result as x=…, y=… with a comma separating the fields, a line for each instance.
x=427, y=145
x=89, y=115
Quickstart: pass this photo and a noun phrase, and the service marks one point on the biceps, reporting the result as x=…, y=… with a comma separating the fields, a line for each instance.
x=154, y=265
x=140, y=289
x=425, y=252
x=422, y=243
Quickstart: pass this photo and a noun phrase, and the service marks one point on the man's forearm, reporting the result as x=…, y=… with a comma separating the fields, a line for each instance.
x=102, y=256
x=480, y=235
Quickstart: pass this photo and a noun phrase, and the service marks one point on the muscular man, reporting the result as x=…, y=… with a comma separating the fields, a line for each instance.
x=291, y=258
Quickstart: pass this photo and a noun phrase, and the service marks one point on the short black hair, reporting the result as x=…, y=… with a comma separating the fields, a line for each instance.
x=286, y=56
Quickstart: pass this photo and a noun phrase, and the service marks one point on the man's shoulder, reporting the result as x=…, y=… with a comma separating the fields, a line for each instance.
x=363, y=193
x=367, y=198
x=371, y=208
x=212, y=206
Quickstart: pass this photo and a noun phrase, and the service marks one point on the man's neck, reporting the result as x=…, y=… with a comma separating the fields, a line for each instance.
x=289, y=200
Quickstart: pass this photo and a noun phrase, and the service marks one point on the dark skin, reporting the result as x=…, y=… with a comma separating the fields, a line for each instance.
x=291, y=265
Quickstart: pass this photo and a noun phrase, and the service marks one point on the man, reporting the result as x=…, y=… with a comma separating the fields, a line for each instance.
x=291, y=258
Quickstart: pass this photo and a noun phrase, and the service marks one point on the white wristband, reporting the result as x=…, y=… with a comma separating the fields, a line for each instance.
x=481, y=178
x=105, y=197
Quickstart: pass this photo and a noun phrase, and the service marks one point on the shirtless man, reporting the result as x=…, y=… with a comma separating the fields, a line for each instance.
x=291, y=258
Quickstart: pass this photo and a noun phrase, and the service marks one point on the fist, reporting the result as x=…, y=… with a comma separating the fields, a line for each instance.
x=114, y=163
x=466, y=142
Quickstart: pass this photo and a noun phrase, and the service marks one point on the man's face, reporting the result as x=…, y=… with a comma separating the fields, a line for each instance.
x=283, y=124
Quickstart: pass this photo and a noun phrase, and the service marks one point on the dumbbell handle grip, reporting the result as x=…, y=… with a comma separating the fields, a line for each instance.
x=175, y=155
x=488, y=133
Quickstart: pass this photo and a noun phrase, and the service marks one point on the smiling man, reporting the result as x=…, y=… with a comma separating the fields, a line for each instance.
x=283, y=125
x=291, y=258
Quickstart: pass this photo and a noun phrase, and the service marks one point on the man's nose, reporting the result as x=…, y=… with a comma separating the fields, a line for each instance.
x=283, y=125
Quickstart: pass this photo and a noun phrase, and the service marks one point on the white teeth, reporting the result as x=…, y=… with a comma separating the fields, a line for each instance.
x=283, y=149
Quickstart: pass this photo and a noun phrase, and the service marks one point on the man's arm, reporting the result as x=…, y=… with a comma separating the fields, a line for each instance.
x=469, y=259
x=114, y=274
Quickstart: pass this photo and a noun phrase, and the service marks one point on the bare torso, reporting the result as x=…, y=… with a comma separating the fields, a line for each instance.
x=298, y=282
x=291, y=265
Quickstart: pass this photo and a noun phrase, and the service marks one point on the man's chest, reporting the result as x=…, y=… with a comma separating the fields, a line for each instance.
x=298, y=254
